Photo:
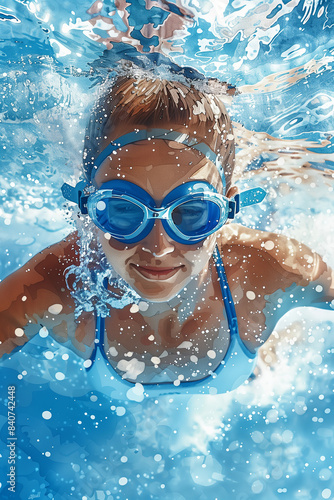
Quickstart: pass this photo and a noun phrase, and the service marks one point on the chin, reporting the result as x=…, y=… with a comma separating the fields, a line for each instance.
x=158, y=293
x=158, y=299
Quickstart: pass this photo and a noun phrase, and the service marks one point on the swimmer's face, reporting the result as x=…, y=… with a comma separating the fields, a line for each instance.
x=157, y=267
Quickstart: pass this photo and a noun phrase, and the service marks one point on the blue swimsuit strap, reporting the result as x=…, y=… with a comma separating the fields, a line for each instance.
x=99, y=331
x=226, y=293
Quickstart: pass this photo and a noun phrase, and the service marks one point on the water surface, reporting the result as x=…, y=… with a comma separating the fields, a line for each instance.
x=272, y=438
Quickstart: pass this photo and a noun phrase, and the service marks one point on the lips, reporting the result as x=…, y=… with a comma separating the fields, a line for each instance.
x=156, y=273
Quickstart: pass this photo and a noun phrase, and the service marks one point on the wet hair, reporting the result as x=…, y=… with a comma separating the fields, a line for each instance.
x=159, y=103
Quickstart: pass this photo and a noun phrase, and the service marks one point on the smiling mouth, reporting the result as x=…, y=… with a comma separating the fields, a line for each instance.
x=156, y=273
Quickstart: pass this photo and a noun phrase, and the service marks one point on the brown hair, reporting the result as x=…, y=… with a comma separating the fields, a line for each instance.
x=158, y=103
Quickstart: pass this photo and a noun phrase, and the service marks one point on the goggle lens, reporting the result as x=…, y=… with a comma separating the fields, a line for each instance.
x=196, y=217
x=119, y=216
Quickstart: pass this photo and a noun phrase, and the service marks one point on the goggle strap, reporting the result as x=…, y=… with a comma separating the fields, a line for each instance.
x=245, y=199
x=251, y=197
x=76, y=195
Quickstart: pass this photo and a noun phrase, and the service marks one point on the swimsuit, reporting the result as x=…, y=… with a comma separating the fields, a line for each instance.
x=236, y=367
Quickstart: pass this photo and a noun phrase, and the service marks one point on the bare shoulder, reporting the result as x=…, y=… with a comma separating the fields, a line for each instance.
x=44, y=270
x=287, y=256
x=270, y=274
x=35, y=289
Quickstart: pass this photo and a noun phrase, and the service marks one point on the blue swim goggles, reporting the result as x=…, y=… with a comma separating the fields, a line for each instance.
x=189, y=213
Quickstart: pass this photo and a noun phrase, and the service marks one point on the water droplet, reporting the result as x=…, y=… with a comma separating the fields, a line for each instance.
x=101, y=205
x=19, y=332
x=55, y=309
x=250, y=295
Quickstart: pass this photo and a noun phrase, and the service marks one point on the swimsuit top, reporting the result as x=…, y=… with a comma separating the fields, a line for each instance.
x=236, y=367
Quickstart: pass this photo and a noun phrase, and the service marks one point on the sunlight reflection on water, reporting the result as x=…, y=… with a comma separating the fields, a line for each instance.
x=271, y=437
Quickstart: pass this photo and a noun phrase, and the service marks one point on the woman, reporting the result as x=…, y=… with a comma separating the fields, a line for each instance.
x=158, y=162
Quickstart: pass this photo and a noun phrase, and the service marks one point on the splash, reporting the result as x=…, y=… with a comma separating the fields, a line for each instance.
x=273, y=437
x=93, y=281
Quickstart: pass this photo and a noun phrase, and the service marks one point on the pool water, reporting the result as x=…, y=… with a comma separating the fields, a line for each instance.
x=272, y=438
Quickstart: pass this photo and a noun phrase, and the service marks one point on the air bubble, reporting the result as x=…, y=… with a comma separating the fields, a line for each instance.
x=55, y=309
x=250, y=295
x=101, y=205
x=19, y=332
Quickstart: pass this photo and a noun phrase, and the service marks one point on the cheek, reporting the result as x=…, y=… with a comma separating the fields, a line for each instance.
x=116, y=252
x=200, y=256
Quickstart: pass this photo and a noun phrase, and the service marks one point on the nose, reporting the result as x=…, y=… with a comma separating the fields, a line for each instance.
x=157, y=242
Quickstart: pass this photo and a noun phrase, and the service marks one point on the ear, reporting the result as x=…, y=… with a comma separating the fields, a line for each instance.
x=232, y=191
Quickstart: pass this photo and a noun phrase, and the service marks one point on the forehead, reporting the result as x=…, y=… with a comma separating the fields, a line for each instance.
x=157, y=166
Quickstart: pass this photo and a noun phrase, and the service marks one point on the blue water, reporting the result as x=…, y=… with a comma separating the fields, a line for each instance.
x=272, y=438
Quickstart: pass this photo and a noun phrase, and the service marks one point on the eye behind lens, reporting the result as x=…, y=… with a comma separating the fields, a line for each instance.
x=119, y=217
x=196, y=217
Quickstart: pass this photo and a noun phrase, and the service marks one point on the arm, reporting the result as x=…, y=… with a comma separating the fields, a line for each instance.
x=312, y=279
x=36, y=295
x=296, y=264
x=280, y=273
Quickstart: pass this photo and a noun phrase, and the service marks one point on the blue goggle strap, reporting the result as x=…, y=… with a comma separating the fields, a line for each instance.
x=76, y=194
x=245, y=199
x=165, y=134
